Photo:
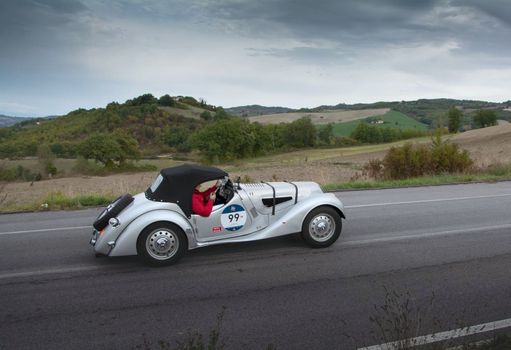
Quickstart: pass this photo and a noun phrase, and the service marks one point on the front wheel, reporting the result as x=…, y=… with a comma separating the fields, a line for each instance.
x=161, y=244
x=321, y=227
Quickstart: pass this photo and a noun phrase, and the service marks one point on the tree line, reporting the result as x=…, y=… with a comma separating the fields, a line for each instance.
x=144, y=126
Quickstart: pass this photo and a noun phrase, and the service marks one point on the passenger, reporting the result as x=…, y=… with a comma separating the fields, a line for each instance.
x=202, y=202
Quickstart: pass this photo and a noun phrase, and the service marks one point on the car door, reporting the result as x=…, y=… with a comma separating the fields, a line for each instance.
x=236, y=218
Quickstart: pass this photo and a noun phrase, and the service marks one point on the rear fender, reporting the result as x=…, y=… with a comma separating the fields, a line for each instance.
x=126, y=243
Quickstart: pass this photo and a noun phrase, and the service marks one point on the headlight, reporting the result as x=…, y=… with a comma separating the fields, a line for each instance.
x=114, y=222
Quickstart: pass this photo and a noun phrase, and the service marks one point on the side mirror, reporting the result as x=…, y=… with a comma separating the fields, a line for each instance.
x=238, y=183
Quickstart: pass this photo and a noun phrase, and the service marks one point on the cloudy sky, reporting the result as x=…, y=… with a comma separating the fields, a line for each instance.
x=60, y=55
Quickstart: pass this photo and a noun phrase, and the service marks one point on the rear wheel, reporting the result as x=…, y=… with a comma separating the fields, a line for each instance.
x=321, y=227
x=161, y=244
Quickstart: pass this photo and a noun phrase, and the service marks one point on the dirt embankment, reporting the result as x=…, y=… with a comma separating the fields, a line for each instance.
x=487, y=146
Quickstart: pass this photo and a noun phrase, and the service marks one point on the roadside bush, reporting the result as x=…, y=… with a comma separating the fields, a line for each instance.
x=18, y=173
x=85, y=167
x=410, y=161
x=345, y=141
x=58, y=200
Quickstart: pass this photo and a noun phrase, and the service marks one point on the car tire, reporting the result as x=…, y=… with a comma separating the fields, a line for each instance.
x=112, y=210
x=321, y=227
x=161, y=244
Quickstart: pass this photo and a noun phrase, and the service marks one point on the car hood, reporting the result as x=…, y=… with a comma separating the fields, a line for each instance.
x=286, y=194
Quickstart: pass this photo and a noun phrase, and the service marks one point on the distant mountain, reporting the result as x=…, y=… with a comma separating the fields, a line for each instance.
x=253, y=110
x=6, y=120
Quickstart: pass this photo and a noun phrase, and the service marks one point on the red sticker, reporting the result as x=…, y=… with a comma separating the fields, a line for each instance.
x=216, y=229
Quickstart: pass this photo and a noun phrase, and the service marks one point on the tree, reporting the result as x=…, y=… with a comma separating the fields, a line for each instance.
x=326, y=134
x=220, y=114
x=454, y=116
x=110, y=149
x=166, y=100
x=46, y=160
x=206, y=115
x=301, y=133
x=484, y=118
x=142, y=100
x=229, y=139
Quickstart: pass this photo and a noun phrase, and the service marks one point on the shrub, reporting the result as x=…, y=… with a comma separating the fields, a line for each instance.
x=18, y=173
x=418, y=160
x=166, y=100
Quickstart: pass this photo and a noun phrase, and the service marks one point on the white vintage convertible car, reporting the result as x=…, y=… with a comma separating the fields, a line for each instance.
x=159, y=225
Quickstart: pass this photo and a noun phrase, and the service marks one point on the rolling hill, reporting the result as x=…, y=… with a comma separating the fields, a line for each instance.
x=426, y=111
x=6, y=120
x=164, y=125
x=154, y=124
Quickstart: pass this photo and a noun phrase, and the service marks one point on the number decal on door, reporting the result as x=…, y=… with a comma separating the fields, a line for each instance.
x=233, y=217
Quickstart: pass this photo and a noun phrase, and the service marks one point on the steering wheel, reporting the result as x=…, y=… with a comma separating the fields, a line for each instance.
x=225, y=192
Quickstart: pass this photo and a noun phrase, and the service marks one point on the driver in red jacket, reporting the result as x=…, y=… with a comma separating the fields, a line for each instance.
x=202, y=202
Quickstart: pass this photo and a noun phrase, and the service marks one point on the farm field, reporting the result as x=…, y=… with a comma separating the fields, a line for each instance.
x=325, y=117
x=391, y=119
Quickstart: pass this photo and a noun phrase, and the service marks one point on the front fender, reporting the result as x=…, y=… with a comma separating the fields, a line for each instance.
x=292, y=221
x=126, y=243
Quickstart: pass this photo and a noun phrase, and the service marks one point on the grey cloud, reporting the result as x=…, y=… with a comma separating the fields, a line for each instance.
x=499, y=9
x=371, y=24
x=320, y=56
x=63, y=6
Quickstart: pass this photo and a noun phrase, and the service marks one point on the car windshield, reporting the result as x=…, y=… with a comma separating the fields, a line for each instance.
x=156, y=183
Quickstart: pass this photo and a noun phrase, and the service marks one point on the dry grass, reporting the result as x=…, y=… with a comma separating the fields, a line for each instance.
x=319, y=117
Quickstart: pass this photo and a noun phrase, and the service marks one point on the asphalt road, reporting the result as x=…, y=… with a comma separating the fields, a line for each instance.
x=447, y=249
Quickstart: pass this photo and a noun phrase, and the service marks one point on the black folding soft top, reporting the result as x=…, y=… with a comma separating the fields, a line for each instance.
x=177, y=184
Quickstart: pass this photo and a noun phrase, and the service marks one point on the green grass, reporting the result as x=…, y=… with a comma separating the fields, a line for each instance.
x=391, y=119
x=59, y=201
x=67, y=167
x=421, y=181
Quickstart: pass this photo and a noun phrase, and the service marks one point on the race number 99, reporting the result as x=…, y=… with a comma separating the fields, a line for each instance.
x=233, y=217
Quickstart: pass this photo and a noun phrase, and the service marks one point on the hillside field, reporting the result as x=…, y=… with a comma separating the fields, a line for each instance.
x=391, y=119
x=324, y=117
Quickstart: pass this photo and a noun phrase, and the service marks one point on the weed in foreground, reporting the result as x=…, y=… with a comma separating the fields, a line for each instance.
x=195, y=340
x=400, y=319
x=399, y=324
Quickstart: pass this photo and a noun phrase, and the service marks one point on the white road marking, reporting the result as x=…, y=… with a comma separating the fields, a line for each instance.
x=46, y=230
x=49, y=271
x=426, y=235
x=426, y=201
x=442, y=336
x=347, y=207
